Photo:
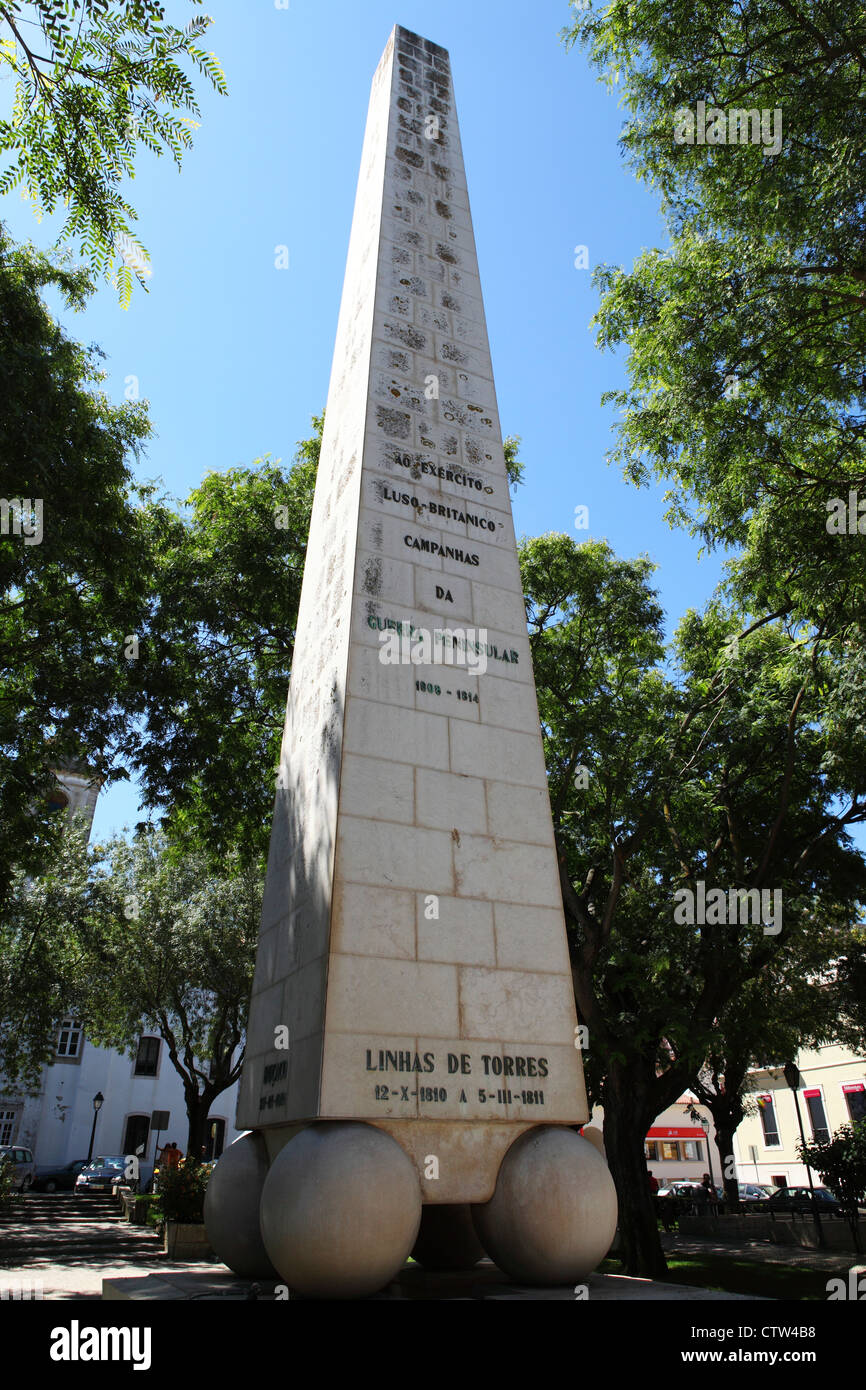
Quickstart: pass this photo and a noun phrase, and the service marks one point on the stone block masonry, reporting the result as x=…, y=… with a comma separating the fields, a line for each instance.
x=412, y=1017
x=401, y=784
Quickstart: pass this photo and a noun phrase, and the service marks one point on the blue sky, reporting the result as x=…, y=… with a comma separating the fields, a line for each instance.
x=234, y=354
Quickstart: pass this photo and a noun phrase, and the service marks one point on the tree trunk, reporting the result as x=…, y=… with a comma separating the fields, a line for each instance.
x=625, y=1130
x=725, y=1146
x=197, y=1108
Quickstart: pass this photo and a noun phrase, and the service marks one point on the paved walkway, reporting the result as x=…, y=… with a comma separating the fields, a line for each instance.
x=764, y=1251
x=56, y=1246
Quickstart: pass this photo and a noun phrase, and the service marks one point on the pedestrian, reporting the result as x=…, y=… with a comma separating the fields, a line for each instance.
x=170, y=1156
x=712, y=1195
x=700, y=1198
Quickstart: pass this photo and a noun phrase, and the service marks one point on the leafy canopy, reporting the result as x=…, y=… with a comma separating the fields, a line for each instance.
x=132, y=937
x=93, y=80
x=747, y=338
x=707, y=763
x=71, y=591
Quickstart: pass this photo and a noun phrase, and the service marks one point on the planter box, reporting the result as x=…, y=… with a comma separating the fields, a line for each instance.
x=184, y=1241
x=138, y=1209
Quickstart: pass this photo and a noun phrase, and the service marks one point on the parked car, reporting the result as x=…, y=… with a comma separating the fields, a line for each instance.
x=20, y=1160
x=58, y=1177
x=101, y=1175
x=799, y=1199
x=680, y=1188
x=754, y=1192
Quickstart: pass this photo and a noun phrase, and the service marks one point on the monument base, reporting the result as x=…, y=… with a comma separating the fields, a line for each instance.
x=340, y=1206
x=468, y=1155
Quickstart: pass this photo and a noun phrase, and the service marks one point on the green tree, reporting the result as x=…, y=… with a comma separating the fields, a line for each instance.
x=132, y=937
x=40, y=957
x=841, y=1163
x=849, y=981
x=514, y=466
x=746, y=392
x=662, y=780
x=74, y=555
x=164, y=944
x=216, y=650
x=789, y=1005
x=93, y=80
x=746, y=337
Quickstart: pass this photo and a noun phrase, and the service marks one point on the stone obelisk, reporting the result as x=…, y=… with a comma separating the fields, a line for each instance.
x=412, y=1037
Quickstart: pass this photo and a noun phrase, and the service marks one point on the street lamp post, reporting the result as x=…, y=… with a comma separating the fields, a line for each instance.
x=705, y=1126
x=792, y=1076
x=97, y=1106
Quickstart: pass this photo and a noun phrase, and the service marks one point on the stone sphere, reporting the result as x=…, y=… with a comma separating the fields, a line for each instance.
x=552, y=1216
x=447, y=1238
x=340, y=1210
x=231, y=1208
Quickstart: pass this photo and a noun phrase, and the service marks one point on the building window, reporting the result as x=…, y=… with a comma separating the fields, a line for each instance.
x=215, y=1138
x=8, y=1124
x=69, y=1041
x=855, y=1099
x=820, y=1130
x=651, y=1150
x=136, y=1135
x=768, y=1121
x=669, y=1150
x=147, y=1057
x=692, y=1149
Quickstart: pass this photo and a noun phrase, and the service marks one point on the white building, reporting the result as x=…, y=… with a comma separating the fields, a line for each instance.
x=56, y=1120
x=832, y=1093
x=677, y=1147
x=56, y=1123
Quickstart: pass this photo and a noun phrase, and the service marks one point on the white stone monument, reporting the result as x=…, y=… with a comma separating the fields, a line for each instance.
x=412, y=1044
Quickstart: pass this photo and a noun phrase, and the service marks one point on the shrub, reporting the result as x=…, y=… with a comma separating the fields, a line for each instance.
x=8, y=1194
x=841, y=1163
x=181, y=1192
